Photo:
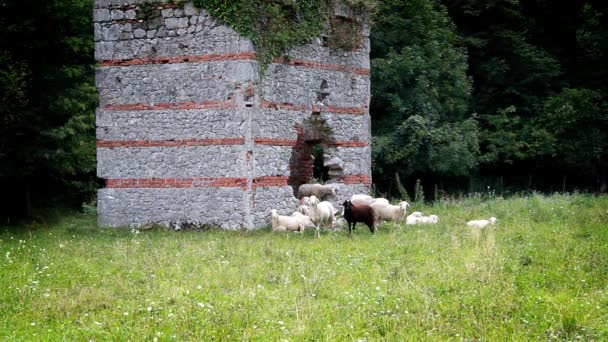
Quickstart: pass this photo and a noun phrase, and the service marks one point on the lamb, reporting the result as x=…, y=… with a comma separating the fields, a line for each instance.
x=284, y=223
x=359, y=213
x=413, y=218
x=304, y=219
x=303, y=209
x=388, y=212
x=317, y=190
x=482, y=223
x=429, y=219
x=322, y=213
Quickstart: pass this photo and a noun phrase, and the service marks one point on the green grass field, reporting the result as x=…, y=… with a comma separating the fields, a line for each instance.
x=540, y=274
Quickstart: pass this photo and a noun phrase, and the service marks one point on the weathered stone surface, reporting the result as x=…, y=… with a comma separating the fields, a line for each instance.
x=171, y=162
x=168, y=160
x=101, y=14
x=301, y=85
x=169, y=124
x=171, y=83
x=223, y=207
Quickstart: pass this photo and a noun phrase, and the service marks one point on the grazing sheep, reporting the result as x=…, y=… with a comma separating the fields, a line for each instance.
x=322, y=213
x=359, y=199
x=304, y=219
x=482, y=223
x=283, y=223
x=413, y=218
x=359, y=213
x=303, y=209
x=429, y=219
x=388, y=212
x=317, y=190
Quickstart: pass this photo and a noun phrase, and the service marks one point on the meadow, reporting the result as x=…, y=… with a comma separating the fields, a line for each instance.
x=540, y=274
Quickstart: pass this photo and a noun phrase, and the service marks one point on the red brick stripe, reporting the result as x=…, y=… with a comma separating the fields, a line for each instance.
x=170, y=106
x=180, y=59
x=270, y=181
x=217, y=141
x=274, y=142
x=208, y=182
x=314, y=108
x=293, y=142
x=346, y=143
x=132, y=183
x=322, y=66
x=356, y=179
x=170, y=143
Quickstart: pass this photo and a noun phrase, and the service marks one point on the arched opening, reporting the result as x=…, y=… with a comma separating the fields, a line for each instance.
x=320, y=172
x=308, y=160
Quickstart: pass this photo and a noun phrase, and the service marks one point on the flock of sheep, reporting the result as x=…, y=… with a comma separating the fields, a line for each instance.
x=313, y=212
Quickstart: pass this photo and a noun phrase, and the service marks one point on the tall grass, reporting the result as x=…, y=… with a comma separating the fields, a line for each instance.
x=541, y=274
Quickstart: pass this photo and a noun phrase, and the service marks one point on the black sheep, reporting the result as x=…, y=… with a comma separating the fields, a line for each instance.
x=358, y=213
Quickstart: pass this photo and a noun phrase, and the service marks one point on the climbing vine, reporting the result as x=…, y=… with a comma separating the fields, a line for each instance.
x=275, y=26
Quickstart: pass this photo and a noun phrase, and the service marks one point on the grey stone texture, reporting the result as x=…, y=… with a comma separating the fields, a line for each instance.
x=169, y=124
x=265, y=199
x=223, y=207
x=199, y=34
x=301, y=85
x=281, y=124
x=170, y=162
x=171, y=83
x=131, y=114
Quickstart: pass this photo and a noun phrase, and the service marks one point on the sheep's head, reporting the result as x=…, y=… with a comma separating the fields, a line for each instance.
x=416, y=214
x=404, y=205
x=333, y=191
x=493, y=220
x=304, y=209
x=313, y=201
x=434, y=218
x=347, y=205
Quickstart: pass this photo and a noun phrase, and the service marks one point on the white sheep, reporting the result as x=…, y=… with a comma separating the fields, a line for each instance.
x=317, y=190
x=413, y=218
x=429, y=219
x=303, y=209
x=283, y=223
x=359, y=199
x=322, y=213
x=388, y=212
x=482, y=223
x=304, y=219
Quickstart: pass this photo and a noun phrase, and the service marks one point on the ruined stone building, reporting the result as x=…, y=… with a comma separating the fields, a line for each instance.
x=189, y=131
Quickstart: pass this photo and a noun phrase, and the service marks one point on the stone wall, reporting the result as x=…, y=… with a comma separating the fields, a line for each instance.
x=188, y=131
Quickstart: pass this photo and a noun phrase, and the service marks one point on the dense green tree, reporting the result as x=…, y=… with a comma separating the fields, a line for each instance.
x=420, y=91
x=48, y=97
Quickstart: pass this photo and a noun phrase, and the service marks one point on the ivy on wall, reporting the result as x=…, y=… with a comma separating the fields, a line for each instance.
x=275, y=26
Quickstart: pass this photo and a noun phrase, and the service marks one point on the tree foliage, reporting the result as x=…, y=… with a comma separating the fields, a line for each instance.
x=48, y=94
x=420, y=91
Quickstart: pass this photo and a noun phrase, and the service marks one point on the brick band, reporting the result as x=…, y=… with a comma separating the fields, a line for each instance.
x=232, y=182
x=270, y=181
x=216, y=141
x=180, y=59
x=170, y=143
x=232, y=57
x=170, y=106
x=322, y=66
x=314, y=108
x=176, y=182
